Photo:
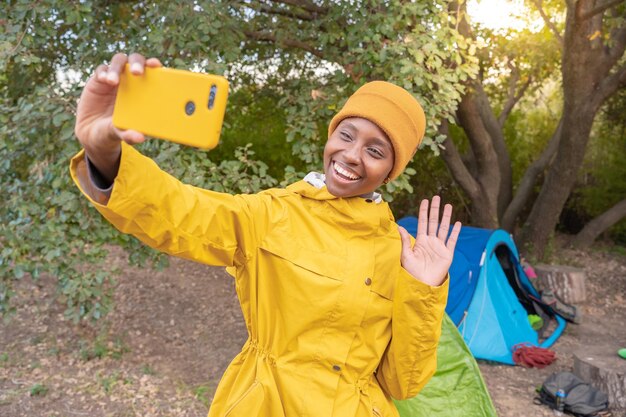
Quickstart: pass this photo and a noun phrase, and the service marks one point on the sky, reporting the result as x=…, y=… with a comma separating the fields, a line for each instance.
x=500, y=14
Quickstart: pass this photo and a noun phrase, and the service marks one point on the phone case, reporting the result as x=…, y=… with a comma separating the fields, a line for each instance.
x=175, y=105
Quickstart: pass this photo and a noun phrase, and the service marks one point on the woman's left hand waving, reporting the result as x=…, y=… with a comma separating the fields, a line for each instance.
x=429, y=259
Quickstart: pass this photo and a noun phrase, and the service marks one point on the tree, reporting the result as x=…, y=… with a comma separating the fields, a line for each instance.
x=310, y=54
x=484, y=170
x=601, y=187
x=592, y=70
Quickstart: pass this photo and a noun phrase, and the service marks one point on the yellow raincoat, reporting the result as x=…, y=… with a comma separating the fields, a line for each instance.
x=336, y=326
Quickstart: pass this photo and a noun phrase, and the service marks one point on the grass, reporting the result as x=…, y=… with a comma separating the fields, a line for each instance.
x=203, y=393
x=147, y=370
x=108, y=382
x=38, y=390
x=101, y=348
x=38, y=339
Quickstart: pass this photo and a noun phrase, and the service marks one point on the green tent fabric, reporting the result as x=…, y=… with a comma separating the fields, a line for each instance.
x=457, y=388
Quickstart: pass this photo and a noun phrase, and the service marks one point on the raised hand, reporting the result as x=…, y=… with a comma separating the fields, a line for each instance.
x=94, y=128
x=429, y=259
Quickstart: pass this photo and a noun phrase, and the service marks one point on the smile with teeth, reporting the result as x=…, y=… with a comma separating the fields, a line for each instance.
x=343, y=173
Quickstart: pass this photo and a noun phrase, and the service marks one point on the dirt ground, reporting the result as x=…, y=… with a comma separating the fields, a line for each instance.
x=162, y=349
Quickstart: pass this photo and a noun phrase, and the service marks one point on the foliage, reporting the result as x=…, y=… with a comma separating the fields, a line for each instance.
x=431, y=178
x=579, y=50
x=530, y=126
x=516, y=59
x=303, y=59
x=260, y=122
x=593, y=46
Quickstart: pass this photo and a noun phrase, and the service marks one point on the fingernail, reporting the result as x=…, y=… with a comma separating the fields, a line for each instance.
x=136, y=68
x=111, y=76
x=102, y=75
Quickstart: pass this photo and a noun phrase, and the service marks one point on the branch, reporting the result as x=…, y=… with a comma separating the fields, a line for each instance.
x=549, y=22
x=455, y=164
x=527, y=183
x=306, y=5
x=513, y=97
x=19, y=41
x=302, y=15
x=510, y=104
x=618, y=36
x=595, y=227
x=600, y=9
x=292, y=43
x=609, y=85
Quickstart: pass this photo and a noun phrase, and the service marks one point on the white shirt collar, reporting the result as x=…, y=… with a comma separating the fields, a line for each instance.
x=318, y=180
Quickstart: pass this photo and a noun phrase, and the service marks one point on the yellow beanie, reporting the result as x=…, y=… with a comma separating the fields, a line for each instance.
x=395, y=111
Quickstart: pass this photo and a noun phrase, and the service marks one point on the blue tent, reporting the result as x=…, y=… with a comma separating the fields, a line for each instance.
x=490, y=295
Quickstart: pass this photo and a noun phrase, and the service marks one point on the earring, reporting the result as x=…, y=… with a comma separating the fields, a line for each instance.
x=386, y=181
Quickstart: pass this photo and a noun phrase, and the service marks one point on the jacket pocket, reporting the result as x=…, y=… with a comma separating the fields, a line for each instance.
x=249, y=404
x=384, y=286
x=326, y=264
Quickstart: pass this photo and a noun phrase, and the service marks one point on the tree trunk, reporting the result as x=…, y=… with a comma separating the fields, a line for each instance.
x=484, y=212
x=594, y=228
x=559, y=182
x=527, y=184
x=603, y=369
x=568, y=283
x=488, y=182
x=589, y=78
x=485, y=202
x=494, y=128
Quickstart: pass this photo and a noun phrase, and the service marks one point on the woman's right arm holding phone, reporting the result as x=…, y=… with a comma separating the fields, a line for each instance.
x=202, y=225
x=94, y=126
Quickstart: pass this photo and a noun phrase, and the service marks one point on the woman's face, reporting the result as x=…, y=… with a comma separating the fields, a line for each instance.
x=358, y=157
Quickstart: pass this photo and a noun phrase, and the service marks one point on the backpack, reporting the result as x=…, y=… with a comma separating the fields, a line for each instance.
x=582, y=399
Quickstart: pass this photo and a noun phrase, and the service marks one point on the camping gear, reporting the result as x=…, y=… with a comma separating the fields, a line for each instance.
x=457, y=389
x=535, y=321
x=490, y=296
x=567, y=311
x=528, y=269
x=579, y=398
x=532, y=356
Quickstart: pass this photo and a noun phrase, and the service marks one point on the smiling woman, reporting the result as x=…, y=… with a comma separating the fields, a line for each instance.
x=343, y=309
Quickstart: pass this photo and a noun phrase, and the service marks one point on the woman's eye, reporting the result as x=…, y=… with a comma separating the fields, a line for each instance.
x=375, y=152
x=345, y=136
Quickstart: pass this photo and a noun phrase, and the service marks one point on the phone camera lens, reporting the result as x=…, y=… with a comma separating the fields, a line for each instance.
x=212, y=95
x=190, y=107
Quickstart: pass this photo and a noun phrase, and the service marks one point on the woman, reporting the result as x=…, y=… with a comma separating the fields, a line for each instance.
x=343, y=310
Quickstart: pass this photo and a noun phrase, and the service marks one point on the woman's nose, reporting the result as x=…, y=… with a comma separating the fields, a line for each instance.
x=351, y=154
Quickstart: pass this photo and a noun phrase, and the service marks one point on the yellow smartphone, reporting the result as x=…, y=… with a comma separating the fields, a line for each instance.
x=180, y=106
